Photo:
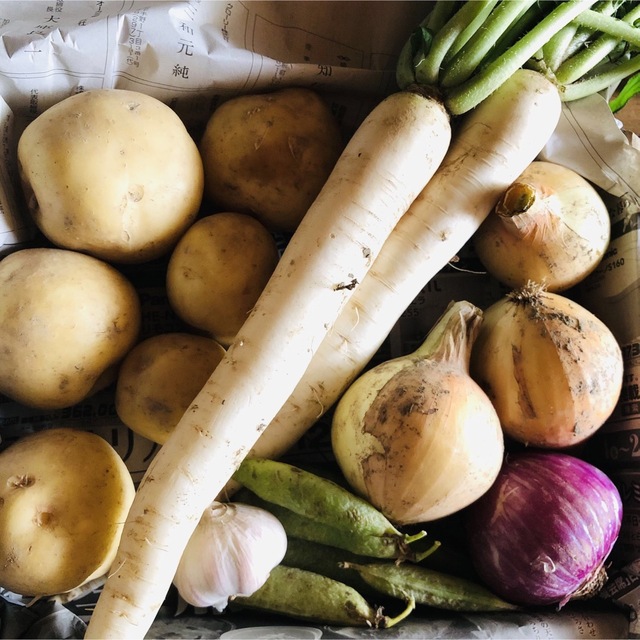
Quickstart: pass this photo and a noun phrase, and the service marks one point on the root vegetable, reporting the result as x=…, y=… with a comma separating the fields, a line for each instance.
x=487, y=153
x=66, y=321
x=113, y=173
x=64, y=496
x=218, y=270
x=159, y=378
x=383, y=168
x=269, y=154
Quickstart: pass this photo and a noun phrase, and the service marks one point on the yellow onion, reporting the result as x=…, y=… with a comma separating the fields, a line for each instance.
x=550, y=226
x=552, y=369
x=415, y=435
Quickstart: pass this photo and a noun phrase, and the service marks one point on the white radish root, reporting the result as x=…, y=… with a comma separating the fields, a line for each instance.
x=383, y=168
x=490, y=148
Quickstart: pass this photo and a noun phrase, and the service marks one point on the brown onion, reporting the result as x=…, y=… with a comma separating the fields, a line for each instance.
x=550, y=226
x=416, y=436
x=552, y=369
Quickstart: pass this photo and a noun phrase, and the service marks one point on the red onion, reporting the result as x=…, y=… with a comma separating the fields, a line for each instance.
x=543, y=531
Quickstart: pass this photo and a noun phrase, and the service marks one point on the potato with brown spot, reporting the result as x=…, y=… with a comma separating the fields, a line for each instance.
x=270, y=154
x=64, y=497
x=113, y=173
x=66, y=321
x=217, y=272
x=159, y=379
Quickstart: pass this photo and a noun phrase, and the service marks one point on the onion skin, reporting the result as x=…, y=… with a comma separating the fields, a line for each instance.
x=549, y=226
x=543, y=531
x=552, y=369
x=416, y=436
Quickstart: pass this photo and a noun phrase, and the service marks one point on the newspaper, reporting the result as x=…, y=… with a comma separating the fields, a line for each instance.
x=194, y=54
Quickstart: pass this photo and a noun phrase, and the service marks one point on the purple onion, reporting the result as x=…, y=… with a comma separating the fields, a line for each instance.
x=543, y=531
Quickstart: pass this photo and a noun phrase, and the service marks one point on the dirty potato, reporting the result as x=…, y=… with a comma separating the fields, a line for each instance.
x=160, y=377
x=270, y=154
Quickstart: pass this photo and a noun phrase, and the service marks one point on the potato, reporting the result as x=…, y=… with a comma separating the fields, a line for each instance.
x=270, y=154
x=64, y=497
x=159, y=379
x=217, y=272
x=66, y=321
x=113, y=173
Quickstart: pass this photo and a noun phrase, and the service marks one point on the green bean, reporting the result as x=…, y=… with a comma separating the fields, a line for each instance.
x=328, y=512
x=307, y=595
x=411, y=582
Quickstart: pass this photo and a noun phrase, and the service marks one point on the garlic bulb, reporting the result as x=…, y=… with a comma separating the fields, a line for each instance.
x=552, y=369
x=550, y=226
x=231, y=552
x=415, y=435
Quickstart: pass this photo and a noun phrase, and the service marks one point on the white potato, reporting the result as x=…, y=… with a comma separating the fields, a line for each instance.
x=160, y=377
x=111, y=172
x=270, y=154
x=66, y=321
x=64, y=497
x=218, y=270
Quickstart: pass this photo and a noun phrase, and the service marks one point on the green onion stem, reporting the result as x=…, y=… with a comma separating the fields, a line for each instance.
x=603, y=80
x=587, y=58
x=612, y=26
x=470, y=56
x=428, y=70
x=470, y=93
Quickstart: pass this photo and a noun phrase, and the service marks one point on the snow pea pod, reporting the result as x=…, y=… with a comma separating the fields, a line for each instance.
x=412, y=582
x=307, y=595
x=314, y=508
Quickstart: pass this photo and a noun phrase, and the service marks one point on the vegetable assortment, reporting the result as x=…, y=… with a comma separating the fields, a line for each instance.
x=393, y=570
x=418, y=438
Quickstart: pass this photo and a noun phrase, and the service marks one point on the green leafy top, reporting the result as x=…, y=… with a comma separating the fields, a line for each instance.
x=466, y=50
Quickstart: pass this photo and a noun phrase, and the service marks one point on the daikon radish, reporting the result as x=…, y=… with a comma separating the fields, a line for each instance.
x=487, y=153
x=384, y=167
x=498, y=134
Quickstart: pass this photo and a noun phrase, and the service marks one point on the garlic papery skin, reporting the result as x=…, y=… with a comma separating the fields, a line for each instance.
x=552, y=369
x=416, y=436
x=231, y=552
x=550, y=226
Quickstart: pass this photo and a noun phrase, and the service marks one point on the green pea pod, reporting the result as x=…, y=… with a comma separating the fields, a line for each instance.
x=356, y=541
x=311, y=496
x=412, y=582
x=306, y=595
